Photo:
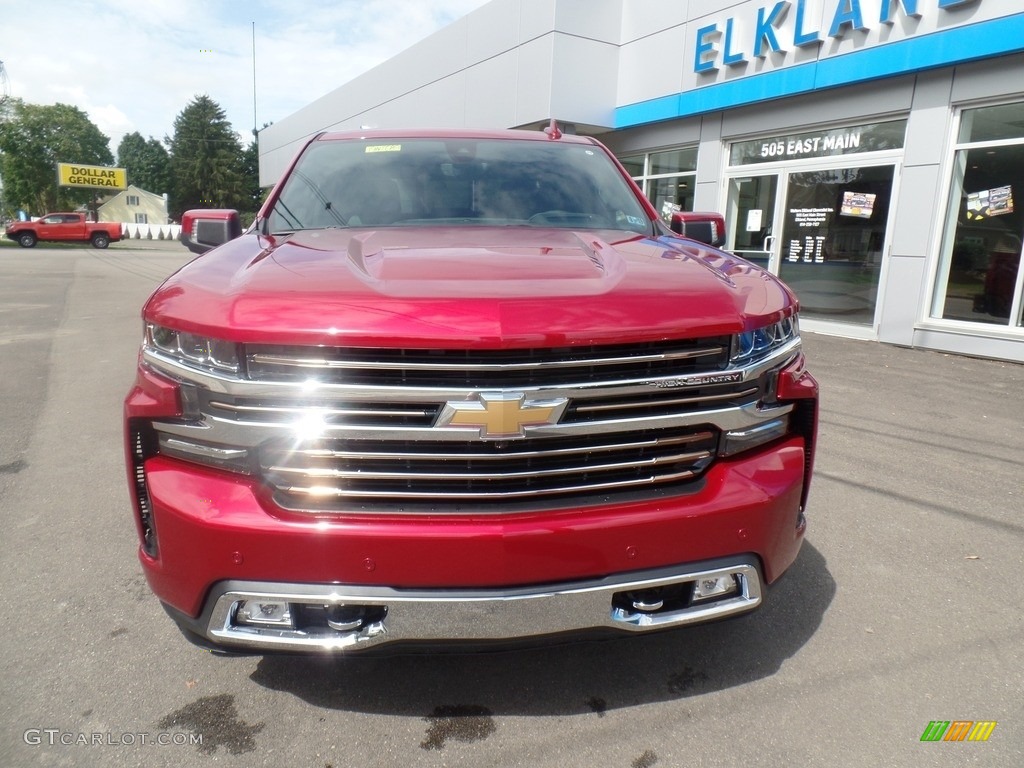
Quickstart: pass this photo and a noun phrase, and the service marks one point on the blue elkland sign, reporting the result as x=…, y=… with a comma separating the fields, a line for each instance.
x=784, y=26
x=723, y=43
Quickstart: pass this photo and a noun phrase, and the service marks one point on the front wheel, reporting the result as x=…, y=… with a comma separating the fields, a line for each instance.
x=26, y=239
x=100, y=240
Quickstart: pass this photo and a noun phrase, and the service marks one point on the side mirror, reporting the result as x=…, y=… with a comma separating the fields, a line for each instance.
x=701, y=226
x=206, y=228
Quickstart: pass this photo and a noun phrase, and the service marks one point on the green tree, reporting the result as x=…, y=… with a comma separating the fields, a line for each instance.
x=206, y=159
x=33, y=139
x=146, y=162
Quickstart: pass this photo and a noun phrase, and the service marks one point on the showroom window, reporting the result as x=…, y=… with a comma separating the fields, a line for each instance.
x=980, y=278
x=667, y=178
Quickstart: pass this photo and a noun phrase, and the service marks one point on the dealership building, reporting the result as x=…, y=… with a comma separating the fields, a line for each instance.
x=870, y=152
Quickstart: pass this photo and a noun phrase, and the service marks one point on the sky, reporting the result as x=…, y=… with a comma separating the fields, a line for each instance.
x=134, y=65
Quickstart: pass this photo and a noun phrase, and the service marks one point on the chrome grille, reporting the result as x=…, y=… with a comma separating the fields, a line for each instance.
x=285, y=411
x=485, y=369
x=330, y=472
x=658, y=402
x=365, y=429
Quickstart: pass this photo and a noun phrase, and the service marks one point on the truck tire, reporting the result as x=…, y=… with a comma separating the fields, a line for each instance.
x=26, y=240
x=100, y=240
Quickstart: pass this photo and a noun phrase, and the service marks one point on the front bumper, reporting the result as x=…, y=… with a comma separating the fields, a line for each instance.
x=473, y=578
x=376, y=616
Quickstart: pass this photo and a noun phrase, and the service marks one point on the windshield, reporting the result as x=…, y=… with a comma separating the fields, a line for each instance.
x=455, y=182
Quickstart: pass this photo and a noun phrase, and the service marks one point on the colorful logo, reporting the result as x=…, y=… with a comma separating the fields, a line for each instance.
x=958, y=730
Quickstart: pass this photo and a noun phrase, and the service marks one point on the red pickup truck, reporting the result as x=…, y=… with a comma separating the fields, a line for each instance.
x=64, y=227
x=463, y=387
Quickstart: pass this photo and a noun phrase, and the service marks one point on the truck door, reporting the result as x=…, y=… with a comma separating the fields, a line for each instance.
x=51, y=227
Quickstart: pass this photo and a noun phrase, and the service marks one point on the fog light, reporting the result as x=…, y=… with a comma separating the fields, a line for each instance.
x=267, y=613
x=711, y=587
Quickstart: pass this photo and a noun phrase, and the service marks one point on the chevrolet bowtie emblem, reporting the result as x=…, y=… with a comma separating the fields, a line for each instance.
x=501, y=415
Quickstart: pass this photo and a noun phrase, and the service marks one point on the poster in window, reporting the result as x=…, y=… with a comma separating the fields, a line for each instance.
x=754, y=218
x=858, y=204
x=990, y=202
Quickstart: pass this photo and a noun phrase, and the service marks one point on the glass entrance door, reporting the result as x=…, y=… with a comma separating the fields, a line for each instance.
x=813, y=206
x=751, y=216
x=833, y=236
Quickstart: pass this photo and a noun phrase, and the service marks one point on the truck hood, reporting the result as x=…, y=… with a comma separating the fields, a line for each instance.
x=465, y=287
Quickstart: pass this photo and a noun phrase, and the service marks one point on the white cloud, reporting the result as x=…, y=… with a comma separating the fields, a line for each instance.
x=133, y=66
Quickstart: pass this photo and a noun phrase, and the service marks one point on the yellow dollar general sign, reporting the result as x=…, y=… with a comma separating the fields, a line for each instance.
x=958, y=730
x=73, y=175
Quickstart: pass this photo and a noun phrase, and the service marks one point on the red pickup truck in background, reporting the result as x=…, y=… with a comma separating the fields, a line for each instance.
x=465, y=387
x=64, y=227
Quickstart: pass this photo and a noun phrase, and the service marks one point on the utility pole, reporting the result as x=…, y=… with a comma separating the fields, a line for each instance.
x=254, y=120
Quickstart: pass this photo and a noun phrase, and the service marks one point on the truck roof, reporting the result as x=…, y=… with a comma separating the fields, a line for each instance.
x=450, y=133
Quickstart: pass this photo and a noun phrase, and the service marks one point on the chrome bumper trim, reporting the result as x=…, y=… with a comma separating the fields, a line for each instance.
x=472, y=615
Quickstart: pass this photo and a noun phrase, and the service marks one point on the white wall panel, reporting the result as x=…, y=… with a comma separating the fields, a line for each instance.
x=437, y=105
x=594, y=19
x=442, y=54
x=656, y=136
x=492, y=29
x=492, y=91
x=859, y=103
x=969, y=344
x=929, y=123
x=584, y=80
x=710, y=157
x=918, y=218
x=651, y=67
x=641, y=18
x=533, y=89
x=536, y=18
x=901, y=298
x=989, y=79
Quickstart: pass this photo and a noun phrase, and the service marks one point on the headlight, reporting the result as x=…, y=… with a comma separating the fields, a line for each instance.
x=760, y=343
x=192, y=349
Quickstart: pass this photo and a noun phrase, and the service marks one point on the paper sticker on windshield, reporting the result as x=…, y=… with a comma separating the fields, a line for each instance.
x=384, y=148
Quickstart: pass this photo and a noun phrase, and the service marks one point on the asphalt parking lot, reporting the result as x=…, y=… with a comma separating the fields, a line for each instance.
x=902, y=609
